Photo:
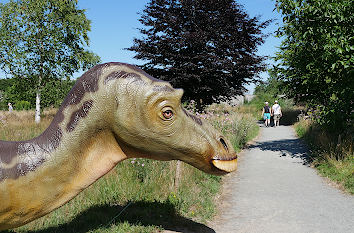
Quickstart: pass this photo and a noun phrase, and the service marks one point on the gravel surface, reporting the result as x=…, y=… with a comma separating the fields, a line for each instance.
x=274, y=190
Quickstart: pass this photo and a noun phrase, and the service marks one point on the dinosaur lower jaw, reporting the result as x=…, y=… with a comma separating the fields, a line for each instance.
x=226, y=165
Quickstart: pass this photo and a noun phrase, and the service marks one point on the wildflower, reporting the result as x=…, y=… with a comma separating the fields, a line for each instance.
x=142, y=165
x=133, y=161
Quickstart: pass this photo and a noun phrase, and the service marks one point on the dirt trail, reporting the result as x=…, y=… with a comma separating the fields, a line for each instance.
x=274, y=190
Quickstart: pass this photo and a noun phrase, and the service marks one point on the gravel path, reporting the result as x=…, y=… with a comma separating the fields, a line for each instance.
x=274, y=190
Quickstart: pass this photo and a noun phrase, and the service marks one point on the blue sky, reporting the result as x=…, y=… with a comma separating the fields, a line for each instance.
x=114, y=23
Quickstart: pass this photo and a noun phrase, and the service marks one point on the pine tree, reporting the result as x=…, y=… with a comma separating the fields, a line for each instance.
x=206, y=47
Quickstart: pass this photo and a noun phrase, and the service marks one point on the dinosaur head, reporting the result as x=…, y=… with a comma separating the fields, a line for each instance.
x=150, y=122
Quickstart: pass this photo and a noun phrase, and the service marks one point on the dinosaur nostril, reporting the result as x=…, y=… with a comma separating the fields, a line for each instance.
x=224, y=144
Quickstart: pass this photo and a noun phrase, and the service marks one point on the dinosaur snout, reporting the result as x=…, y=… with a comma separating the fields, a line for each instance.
x=226, y=159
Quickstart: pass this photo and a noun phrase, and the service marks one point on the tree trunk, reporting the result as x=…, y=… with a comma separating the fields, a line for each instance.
x=37, y=117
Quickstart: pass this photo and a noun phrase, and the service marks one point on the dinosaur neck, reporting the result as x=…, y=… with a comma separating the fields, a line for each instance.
x=43, y=173
x=17, y=158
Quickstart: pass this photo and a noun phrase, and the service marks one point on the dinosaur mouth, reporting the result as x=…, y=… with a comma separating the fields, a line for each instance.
x=225, y=164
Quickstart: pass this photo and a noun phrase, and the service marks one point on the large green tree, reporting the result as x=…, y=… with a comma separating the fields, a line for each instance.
x=316, y=56
x=206, y=47
x=43, y=40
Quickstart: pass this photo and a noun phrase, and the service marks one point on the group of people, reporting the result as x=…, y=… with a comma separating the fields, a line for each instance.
x=274, y=111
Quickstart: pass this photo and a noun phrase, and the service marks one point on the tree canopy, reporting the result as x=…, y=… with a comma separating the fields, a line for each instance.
x=44, y=40
x=316, y=56
x=206, y=47
x=272, y=86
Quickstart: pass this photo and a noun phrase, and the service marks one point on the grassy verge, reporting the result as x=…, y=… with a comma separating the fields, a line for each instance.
x=138, y=195
x=332, y=155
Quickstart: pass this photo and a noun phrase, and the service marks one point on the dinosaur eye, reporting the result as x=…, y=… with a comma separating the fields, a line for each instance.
x=168, y=114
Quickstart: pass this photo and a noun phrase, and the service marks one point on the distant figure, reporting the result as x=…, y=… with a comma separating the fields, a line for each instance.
x=10, y=107
x=276, y=110
x=266, y=114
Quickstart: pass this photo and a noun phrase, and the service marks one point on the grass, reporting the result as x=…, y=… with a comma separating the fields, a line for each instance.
x=235, y=122
x=138, y=195
x=19, y=125
x=332, y=155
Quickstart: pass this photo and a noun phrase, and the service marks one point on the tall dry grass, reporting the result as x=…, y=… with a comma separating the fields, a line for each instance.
x=332, y=154
x=19, y=125
x=237, y=123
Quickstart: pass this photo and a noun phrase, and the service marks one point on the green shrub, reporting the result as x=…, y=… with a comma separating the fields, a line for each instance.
x=300, y=131
x=22, y=105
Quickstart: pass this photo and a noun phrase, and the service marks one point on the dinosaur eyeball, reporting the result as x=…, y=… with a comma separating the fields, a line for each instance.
x=167, y=114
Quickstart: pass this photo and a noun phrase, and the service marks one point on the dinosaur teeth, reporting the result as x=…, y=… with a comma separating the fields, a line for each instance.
x=225, y=165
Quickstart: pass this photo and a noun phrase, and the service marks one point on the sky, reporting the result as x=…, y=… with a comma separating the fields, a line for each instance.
x=114, y=24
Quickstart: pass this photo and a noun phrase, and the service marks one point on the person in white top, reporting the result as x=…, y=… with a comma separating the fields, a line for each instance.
x=276, y=112
x=10, y=107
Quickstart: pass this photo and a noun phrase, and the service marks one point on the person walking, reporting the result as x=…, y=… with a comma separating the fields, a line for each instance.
x=266, y=114
x=10, y=107
x=276, y=111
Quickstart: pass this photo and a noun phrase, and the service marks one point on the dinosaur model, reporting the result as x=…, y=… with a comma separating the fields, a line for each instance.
x=114, y=111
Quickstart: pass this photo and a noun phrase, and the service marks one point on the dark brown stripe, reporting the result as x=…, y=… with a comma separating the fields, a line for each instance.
x=140, y=71
x=8, y=150
x=115, y=75
x=196, y=119
x=37, y=148
x=76, y=116
x=88, y=82
x=120, y=74
x=164, y=88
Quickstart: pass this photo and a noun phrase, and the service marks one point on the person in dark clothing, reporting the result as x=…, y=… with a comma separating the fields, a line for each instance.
x=266, y=114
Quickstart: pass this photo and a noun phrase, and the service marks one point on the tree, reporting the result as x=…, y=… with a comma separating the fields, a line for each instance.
x=273, y=86
x=207, y=47
x=20, y=89
x=316, y=56
x=4, y=85
x=43, y=40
